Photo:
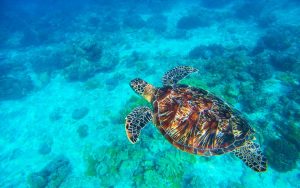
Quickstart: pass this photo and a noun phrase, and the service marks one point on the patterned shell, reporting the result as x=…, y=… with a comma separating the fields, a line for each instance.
x=198, y=122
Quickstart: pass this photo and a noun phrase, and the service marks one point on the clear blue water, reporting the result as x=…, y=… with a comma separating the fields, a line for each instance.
x=65, y=69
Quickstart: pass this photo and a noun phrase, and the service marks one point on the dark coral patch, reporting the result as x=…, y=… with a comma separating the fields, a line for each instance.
x=134, y=21
x=282, y=155
x=273, y=40
x=52, y=175
x=157, y=22
x=206, y=52
x=285, y=62
x=80, y=113
x=214, y=4
x=83, y=131
x=193, y=22
x=15, y=87
x=249, y=9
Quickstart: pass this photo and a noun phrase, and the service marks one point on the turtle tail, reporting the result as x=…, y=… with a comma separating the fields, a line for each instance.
x=252, y=156
x=143, y=88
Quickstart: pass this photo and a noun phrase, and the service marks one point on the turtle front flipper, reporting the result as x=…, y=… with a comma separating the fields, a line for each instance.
x=135, y=121
x=251, y=154
x=176, y=74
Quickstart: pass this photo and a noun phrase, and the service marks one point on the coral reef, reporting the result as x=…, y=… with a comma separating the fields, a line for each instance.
x=158, y=23
x=206, y=52
x=49, y=60
x=193, y=21
x=92, y=84
x=33, y=36
x=15, y=87
x=110, y=23
x=252, y=99
x=15, y=80
x=173, y=165
x=56, y=114
x=106, y=163
x=214, y=4
x=52, y=175
x=91, y=59
x=89, y=49
x=83, y=69
x=274, y=40
x=176, y=34
x=56, y=52
x=134, y=21
x=229, y=92
x=194, y=82
x=10, y=65
x=45, y=147
x=83, y=130
x=260, y=69
x=196, y=181
x=294, y=94
x=266, y=21
x=134, y=57
x=282, y=155
x=134, y=101
x=249, y=9
x=112, y=82
x=111, y=163
x=283, y=62
x=80, y=113
x=291, y=132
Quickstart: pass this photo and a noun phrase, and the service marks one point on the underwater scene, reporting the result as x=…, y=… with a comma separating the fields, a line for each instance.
x=149, y=93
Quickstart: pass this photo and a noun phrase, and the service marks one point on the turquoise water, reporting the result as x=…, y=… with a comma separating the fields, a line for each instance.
x=65, y=70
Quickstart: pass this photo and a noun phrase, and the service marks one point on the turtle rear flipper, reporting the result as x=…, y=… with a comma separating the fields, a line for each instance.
x=251, y=154
x=176, y=74
x=135, y=121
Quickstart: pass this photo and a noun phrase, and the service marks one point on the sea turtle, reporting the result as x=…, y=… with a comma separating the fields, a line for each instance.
x=194, y=120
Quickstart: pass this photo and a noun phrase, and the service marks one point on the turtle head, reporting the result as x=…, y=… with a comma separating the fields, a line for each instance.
x=141, y=87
